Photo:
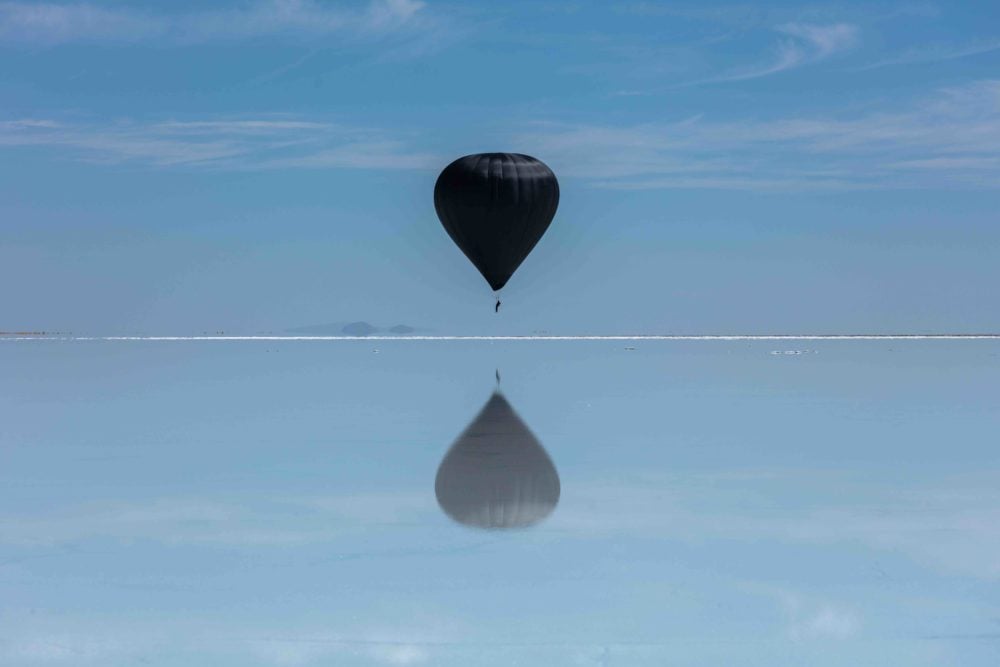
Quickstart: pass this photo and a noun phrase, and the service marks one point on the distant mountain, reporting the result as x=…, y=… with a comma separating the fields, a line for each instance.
x=329, y=329
x=358, y=329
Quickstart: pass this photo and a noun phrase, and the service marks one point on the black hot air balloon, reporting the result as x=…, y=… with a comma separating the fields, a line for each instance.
x=497, y=475
x=496, y=207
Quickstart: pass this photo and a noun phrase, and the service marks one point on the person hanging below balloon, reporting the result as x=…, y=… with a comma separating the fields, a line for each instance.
x=496, y=207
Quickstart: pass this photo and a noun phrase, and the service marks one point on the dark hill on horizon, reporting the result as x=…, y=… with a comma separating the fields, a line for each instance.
x=358, y=328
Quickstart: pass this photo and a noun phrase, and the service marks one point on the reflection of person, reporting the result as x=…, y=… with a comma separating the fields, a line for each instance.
x=497, y=308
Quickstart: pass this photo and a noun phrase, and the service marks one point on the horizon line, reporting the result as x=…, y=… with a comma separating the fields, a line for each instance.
x=540, y=337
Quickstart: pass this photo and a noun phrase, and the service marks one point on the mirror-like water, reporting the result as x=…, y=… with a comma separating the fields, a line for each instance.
x=681, y=503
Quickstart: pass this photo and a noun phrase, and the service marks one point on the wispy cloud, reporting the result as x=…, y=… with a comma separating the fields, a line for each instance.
x=804, y=43
x=808, y=619
x=219, y=143
x=280, y=521
x=36, y=23
x=840, y=509
x=823, y=40
x=46, y=640
x=69, y=648
x=825, y=623
x=384, y=648
x=934, y=53
x=56, y=23
x=950, y=139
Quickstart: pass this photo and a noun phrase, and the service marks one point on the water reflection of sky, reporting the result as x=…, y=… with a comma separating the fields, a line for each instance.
x=274, y=504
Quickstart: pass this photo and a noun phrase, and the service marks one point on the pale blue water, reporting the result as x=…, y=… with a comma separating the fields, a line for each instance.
x=719, y=503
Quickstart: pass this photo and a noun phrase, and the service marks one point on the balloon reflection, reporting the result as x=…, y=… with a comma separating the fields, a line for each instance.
x=497, y=475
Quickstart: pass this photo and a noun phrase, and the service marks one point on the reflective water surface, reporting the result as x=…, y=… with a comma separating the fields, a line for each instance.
x=385, y=503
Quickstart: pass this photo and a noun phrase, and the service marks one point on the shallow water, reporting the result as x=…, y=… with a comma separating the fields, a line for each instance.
x=754, y=503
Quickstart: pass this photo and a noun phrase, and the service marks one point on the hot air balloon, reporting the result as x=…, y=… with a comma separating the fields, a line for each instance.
x=497, y=475
x=496, y=207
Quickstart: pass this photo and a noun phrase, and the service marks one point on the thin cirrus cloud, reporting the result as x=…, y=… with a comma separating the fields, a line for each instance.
x=803, y=44
x=900, y=522
x=267, y=522
x=232, y=144
x=807, y=619
x=827, y=622
x=82, y=641
x=937, y=53
x=949, y=139
x=380, y=648
x=49, y=24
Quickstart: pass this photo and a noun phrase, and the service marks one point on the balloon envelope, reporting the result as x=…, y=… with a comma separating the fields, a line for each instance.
x=496, y=207
x=497, y=475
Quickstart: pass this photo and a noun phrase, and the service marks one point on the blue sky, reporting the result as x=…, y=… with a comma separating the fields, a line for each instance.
x=266, y=165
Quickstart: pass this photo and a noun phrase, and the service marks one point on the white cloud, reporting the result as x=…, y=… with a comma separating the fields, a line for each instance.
x=290, y=653
x=954, y=163
x=51, y=23
x=254, y=143
x=808, y=619
x=393, y=13
x=950, y=139
x=933, y=53
x=71, y=647
x=826, y=623
x=387, y=647
x=805, y=43
x=951, y=526
x=401, y=654
x=47, y=23
x=789, y=55
x=64, y=640
x=824, y=40
x=266, y=522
